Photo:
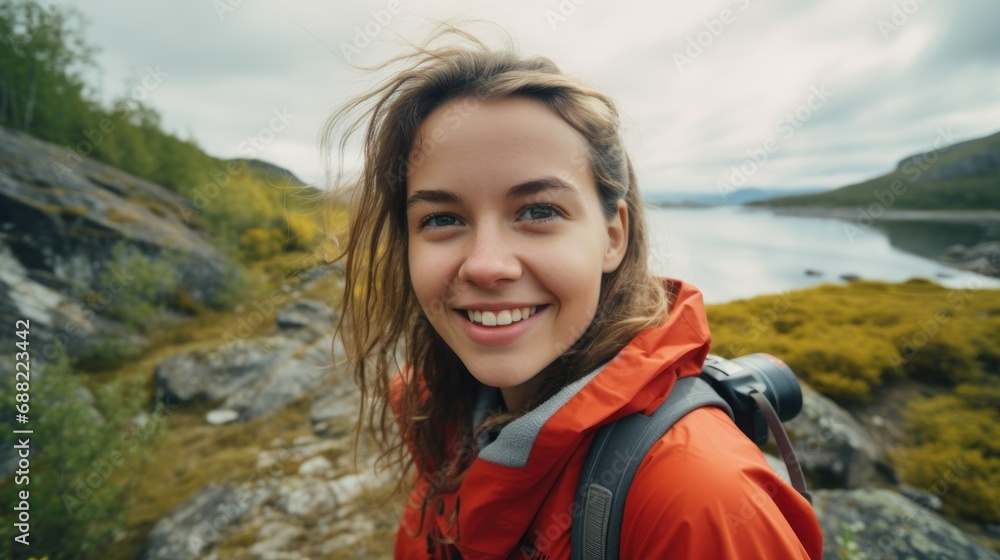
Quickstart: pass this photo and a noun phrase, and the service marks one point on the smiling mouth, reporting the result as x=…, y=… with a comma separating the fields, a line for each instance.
x=499, y=318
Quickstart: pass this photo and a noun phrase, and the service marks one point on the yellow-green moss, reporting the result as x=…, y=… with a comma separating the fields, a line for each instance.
x=846, y=341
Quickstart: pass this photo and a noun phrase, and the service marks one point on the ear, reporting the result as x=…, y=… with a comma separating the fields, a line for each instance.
x=617, y=238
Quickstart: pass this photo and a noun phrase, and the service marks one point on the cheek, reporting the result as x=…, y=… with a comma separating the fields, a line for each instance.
x=429, y=276
x=574, y=277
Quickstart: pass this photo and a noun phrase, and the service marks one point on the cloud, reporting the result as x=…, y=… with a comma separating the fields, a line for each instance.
x=687, y=123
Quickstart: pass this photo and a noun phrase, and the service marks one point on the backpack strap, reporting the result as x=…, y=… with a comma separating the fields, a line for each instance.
x=613, y=460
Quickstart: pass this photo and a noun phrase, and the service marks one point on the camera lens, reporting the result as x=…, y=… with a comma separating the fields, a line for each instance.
x=783, y=390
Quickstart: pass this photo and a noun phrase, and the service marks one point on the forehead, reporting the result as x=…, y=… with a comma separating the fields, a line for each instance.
x=499, y=142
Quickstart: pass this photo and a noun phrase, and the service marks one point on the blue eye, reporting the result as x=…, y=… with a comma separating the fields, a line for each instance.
x=438, y=220
x=539, y=212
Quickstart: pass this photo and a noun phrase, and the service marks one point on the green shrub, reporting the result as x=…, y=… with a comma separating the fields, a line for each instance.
x=151, y=283
x=107, y=353
x=237, y=285
x=81, y=457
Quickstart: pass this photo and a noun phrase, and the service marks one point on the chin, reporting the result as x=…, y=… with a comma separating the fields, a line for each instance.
x=502, y=377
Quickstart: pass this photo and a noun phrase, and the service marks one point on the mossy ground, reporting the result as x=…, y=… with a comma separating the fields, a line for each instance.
x=861, y=342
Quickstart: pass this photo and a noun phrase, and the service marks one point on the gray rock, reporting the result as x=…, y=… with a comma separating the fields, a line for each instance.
x=983, y=258
x=335, y=410
x=61, y=218
x=306, y=313
x=316, y=466
x=201, y=376
x=272, y=538
x=303, y=515
x=835, y=451
x=955, y=251
x=877, y=524
x=921, y=497
x=302, y=497
x=197, y=524
x=251, y=377
x=301, y=369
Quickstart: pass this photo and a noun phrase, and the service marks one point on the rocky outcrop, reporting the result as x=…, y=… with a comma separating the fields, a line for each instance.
x=304, y=313
x=983, y=258
x=255, y=377
x=61, y=216
x=312, y=513
x=971, y=165
x=874, y=524
x=835, y=451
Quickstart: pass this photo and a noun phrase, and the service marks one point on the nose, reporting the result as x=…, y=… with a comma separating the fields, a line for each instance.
x=490, y=261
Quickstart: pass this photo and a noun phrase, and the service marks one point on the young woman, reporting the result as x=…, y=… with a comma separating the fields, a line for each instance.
x=497, y=231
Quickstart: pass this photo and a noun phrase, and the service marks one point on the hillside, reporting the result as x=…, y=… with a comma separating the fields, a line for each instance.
x=739, y=196
x=961, y=176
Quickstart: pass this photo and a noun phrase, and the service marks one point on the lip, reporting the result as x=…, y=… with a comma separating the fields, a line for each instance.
x=497, y=306
x=495, y=336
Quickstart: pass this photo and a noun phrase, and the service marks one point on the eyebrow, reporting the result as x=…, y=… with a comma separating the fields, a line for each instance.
x=528, y=188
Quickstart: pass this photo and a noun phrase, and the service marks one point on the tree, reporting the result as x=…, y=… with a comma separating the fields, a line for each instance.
x=41, y=89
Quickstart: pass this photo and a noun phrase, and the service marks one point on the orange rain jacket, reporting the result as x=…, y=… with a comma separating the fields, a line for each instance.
x=704, y=491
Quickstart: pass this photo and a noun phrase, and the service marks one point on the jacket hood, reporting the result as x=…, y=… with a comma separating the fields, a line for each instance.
x=513, y=475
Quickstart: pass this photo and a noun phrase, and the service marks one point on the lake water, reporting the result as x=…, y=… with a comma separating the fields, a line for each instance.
x=734, y=253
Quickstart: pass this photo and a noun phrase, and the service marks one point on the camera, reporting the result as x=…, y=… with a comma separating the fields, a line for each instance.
x=735, y=379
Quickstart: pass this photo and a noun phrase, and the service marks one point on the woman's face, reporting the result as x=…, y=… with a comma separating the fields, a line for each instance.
x=504, y=222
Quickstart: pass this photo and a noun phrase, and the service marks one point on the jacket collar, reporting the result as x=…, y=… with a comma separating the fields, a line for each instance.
x=515, y=473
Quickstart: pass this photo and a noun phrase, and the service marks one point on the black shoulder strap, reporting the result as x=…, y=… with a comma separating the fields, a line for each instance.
x=612, y=461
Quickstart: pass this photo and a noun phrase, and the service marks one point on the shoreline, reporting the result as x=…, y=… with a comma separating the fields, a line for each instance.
x=851, y=214
x=983, y=258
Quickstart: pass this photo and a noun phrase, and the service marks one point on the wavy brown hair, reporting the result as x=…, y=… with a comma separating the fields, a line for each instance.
x=379, y=310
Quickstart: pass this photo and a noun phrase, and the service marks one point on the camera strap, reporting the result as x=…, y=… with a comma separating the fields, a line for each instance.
x=795, y=475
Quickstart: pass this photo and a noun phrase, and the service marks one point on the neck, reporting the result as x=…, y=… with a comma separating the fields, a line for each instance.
x=515, y=397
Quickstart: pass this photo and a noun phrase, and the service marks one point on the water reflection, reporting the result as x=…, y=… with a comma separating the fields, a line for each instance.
x=930, y=239
x=734, y=253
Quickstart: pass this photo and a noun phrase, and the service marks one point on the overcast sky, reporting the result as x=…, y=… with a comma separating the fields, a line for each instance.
x=838, y=91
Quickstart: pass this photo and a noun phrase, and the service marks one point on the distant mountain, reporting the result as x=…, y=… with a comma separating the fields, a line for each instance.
x=962, y=176
x=270, y=171
x=739, y=196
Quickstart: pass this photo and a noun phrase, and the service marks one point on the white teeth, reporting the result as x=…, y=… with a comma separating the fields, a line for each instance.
x=502, y=317
x=489, y=319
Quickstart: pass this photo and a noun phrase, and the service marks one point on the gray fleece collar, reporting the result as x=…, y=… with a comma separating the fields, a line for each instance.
x=515, y=441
